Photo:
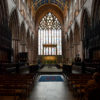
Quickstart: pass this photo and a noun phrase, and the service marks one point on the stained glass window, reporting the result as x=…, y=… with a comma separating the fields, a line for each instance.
x=49, y=36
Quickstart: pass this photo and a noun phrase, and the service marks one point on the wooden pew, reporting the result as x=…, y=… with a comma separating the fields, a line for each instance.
x=19, y=84
x=77, y=83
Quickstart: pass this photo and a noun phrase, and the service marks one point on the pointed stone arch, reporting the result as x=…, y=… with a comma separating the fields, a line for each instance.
x=71, y=40
x=76, y=43
x=94, y=47
x=22, y=32
x=3, y=12
x=85, y=27
x=95, y=12
x=49, y=8
x=14, y=27
x=22, y=37
x=85, y=22
x=76, y=33
x=5, y=34
x=14, y=24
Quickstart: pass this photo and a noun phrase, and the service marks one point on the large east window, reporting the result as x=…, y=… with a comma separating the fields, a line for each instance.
x=49, y=36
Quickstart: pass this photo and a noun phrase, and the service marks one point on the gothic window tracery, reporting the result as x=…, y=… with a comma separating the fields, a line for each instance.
x=49, y=36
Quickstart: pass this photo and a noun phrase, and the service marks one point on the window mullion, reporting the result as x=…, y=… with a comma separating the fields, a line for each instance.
x=49, y=33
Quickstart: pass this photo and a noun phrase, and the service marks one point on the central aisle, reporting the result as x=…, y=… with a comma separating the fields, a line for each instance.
x=51, y=91
x=50, y=69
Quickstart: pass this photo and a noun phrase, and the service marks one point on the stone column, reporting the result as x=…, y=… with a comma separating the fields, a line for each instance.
x=81, y=50
x=29, y=55
x=15, y=46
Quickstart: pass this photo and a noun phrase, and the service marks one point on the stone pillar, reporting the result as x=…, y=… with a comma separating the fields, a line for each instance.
x=29, y=55
x=81, y=50
x=71, y=54
x=19, y=46
x=22, y=47
x=32, y=54
x=35, y=44
x=67, y=55
x=15, y=46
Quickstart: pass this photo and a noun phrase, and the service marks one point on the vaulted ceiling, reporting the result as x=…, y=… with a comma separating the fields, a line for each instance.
x=58, y=8
x=43, y=10
x=59, y=3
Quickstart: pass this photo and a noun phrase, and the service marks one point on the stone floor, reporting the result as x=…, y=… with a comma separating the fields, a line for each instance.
x=51, y=91
x=50, y=69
